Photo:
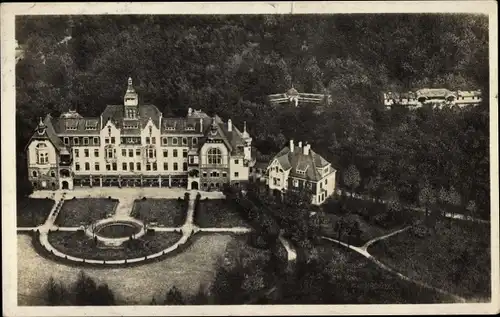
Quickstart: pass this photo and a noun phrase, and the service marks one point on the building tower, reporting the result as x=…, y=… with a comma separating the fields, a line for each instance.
x=130, y=101
x=248, y=142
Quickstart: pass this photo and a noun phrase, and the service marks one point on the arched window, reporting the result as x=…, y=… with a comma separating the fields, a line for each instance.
x=214, y=156
x=52, y=174
x=35, y=174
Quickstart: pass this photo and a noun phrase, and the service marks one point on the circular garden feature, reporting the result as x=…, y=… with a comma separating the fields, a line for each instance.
x=119, y=229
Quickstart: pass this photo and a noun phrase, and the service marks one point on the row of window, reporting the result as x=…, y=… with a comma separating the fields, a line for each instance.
x=131, y=166
x=112, y=140
x=35, y=174
x=125, y=153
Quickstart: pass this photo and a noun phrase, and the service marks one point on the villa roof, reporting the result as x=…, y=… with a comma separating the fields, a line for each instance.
x=298, y=161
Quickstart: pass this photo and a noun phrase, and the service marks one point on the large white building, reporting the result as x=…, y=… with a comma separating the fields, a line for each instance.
x=434, y=96
x=296, y=167
x=132, y=144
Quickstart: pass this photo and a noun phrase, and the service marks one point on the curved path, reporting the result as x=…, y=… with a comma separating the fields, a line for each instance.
x=122, y=213
x=364, y=252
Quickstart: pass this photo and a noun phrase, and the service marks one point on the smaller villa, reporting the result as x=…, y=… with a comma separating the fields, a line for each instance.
x=297, y=167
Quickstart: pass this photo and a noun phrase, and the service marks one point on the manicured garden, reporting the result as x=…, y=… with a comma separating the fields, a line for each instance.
x=165, y=212
x=455, y=257
x=217, y=213
x=83, y=211
x=80, y=245
x=32, y=212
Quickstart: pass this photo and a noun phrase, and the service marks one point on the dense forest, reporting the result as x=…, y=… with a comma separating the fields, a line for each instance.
x=228, y=64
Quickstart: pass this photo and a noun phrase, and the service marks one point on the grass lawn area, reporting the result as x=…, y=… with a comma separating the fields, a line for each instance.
x=80, y=245
x=353, y=279
x=455, y=258
x=137, y=285
x=217, y=213
x=76, y=211
x=368, y=230
x=166, y=212
x=32, y=212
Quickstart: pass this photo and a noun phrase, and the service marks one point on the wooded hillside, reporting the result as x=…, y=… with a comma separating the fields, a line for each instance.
x=228, y=64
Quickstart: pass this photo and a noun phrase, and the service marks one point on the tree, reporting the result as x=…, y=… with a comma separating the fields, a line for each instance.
x=427, y=198
x=174, y=297
x=104, y=296
x=55, y=293
x=84, y=290
x=352, y=178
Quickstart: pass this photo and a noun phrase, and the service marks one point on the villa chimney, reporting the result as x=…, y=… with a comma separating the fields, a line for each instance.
x=307, y=147
x=300, y=143
x=229, y=125
x=291, y=145
x=190, y=112
x=201, y=125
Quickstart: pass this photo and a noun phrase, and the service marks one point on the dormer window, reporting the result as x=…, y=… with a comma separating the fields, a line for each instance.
x=91, y=124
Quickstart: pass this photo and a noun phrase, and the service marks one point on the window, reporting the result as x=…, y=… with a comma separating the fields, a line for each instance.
x=175, y=141
x=164, y=141
x=138, y=165
x=165, y=153
x=184, y=153
x=148, y=167
x=175, y=153
x=77, y=166
x=326, y=181
x=66, y=140
x=131, y=166
x=151, y=153
x=184, y=166
x=109, y=153
x=124, y=152
x=184, y=141
x=86, y=152
x=86, y=141
x=155, y=166
x=96, y=141
x=130, y=153
x=153, y=140
x=43, y=158
x=35, y=174
x=214, y=156
x=96, y=153
x=106, y=140
x=195, y=141
x=236, y=174
x=204, y=174
x=224, y=174
x=165, y=166
x=115, y=167
x=236, y=162
x=77, y=153
x=124, y=166
x=96, y=166
x=108, y=167
x=147, y=140
x=76, y=141
x=113, y=140
x=138, y=152
x=53, y=174
x=87, y=166
x=176, y=166
x=295, y=183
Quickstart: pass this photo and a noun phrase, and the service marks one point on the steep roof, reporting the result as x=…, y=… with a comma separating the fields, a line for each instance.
x=297, y=160
x=115, y=113
x=77, y=125
x=434, y=92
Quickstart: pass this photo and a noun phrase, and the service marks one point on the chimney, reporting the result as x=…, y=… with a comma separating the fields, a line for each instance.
x=307, y=147
x=291, y=145
x=201, y=125
x=190, y=112
x=229, y=125
x=300, y=143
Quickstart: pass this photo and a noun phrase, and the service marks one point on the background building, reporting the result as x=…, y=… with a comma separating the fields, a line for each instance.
x=134, y=145
x=300, y=167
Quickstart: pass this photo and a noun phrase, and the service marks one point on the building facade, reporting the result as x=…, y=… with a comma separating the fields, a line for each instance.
x=297, y=167
x=133, y=145
x=435, y=96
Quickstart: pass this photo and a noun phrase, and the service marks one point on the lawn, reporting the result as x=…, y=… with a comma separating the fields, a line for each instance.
x=217, y=213
x=369, y=231
x=455, y=258
x=80, y=245
x=166, y=212
x=78, y=211
x=349, y=278
x=32, y=212
x=137, y=285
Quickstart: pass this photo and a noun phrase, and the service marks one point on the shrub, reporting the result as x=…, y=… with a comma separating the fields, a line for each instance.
x=179, y=199
x=150, y=231
x=186, y=196
x=143, y=198
x=109, y=197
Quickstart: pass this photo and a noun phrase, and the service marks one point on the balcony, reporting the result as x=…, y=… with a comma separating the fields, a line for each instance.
x=43, y=165
x=214, y=166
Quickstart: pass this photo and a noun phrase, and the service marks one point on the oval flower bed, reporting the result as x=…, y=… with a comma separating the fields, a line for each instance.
x=79, y=245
